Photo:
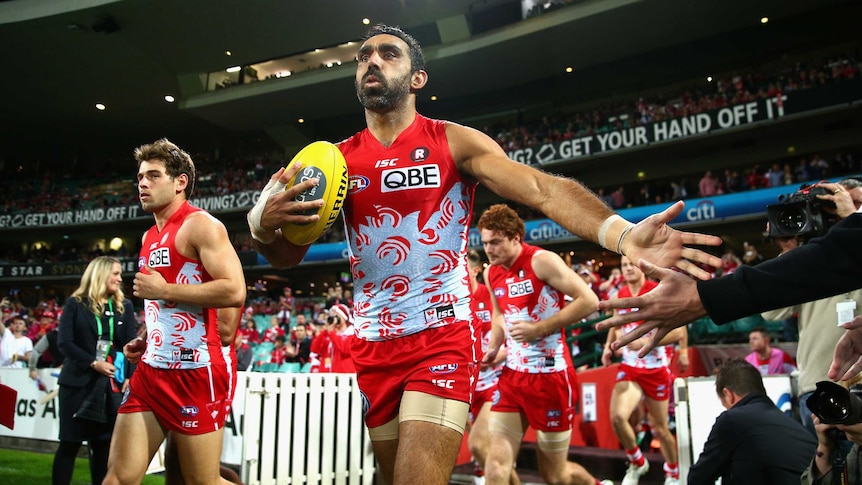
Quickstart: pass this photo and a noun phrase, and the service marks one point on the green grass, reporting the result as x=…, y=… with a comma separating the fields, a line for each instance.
x=28, y=468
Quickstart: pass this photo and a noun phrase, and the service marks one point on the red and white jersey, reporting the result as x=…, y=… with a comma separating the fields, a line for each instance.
x=522, y=296
x=480, y=304
x=657, y=357
x=407, y=213
x=179, y=335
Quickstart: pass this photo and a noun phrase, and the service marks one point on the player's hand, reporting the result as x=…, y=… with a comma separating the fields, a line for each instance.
x=847, y=360
x=673, y=303
x=489, y=357
x=149, y=284
x=526, y=331
x=133, y=350
x=607, y=354
x=281, y=209
x=653, y=240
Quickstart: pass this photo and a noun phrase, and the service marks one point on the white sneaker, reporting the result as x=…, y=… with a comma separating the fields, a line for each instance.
x=607, y=482
x=634, y=473
x=671, y=481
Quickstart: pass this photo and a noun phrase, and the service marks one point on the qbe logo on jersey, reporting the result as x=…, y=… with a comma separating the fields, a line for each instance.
x=520, y=288
x=161, y=257
x=420, y=177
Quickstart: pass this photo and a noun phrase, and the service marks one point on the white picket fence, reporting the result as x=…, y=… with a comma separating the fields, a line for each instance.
x=304, y=429
x=283, y=429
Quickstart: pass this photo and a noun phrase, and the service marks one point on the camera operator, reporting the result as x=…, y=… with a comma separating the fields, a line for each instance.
x=819, y=330
x=835, y=260
x=833, y=463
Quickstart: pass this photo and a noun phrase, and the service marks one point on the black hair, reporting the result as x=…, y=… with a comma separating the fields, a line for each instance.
x=417, y=58
x=739, y=377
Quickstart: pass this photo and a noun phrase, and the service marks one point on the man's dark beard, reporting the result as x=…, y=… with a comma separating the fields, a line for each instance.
x=385, y=96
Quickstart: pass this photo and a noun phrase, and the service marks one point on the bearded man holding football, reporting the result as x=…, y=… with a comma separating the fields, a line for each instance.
x=407, y=213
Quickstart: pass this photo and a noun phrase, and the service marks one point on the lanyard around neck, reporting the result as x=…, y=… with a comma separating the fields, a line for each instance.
x=110, y=322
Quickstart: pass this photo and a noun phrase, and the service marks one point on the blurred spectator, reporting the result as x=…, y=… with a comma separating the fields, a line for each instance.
x=611, y=286
x=244, y=353
x=15, y=347
x=248, y=331
x=775, y=175
x=47, y=322
x=301, y=343
x=330, y=348
x=766, y=358
x=752, y=256
x=274, y=331
x=279, y=353
x=708, y=185
x=286, y=303
x=729, y=262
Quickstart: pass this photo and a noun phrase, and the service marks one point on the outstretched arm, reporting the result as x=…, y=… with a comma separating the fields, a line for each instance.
x=673, y=303
x=577, y=208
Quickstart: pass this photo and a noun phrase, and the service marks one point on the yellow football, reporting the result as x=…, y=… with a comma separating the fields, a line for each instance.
x=324, y=161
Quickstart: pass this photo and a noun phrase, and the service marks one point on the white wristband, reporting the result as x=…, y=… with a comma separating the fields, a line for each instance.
x=603, y=230
x=256, y=212
x=623, y=234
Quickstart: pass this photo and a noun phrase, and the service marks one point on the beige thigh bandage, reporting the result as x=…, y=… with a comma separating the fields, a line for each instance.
x=554, y=441
x=386, y=432
x=508, y=424
x=418, y=406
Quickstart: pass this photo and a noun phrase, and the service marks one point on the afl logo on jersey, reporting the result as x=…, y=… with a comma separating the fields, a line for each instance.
x=499, y=292
x=357, y=183
x=419, y=154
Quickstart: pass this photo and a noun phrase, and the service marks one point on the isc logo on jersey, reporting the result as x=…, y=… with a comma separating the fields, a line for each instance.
x=520, y=288
x=419, y=177
x=161, y=257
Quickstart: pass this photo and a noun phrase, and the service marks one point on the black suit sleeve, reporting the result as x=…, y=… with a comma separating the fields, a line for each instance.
x=77, y=341
x=715, y=459
x=823, y=267
x=71, y=333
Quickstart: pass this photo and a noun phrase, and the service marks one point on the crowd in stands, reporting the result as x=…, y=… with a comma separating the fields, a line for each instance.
x=790, y=171
x=311, y=334
x=722, y=91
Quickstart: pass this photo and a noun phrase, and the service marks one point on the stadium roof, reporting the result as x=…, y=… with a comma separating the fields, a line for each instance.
x=62, y=57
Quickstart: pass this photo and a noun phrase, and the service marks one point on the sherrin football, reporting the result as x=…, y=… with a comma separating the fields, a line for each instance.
x=324, y=161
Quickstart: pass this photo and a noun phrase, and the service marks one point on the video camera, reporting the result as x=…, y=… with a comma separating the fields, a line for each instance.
x=834, y=404
x=801, y=213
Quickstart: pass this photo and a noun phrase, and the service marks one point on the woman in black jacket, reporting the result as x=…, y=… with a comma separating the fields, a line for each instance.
x=97, y=321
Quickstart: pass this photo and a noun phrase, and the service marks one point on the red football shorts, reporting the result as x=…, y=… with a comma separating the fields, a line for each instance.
x=546, y=400
x=188, y=401
x=656, y=383
x=489, y=395
x=439, y=361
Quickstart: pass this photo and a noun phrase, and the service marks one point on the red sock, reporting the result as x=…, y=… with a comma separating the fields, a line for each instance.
x=671, y=470
x=635, y=456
